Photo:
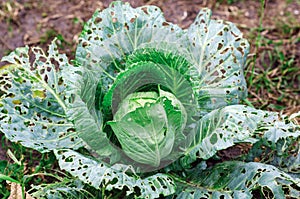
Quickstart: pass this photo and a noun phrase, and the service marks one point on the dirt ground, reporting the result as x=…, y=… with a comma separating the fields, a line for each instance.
x=36, y=23
x=31, y=22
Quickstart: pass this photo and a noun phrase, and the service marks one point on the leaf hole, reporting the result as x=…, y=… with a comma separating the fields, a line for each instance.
x=42, y=59
x=220, y=45
x=84, y=44
x=132, y=20
x=165, y=24
x=240, y=49
x=114, y=181
x=225, y=51
x=98, y=20
x=89, y=32
x=153, y=188
x=145, y=10
x=126, y=26
x=69, y=159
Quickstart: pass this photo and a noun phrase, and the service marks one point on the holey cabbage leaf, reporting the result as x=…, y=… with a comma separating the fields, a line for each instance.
x=153, y=104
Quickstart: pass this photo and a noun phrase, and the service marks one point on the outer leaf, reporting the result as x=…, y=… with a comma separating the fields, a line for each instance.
x=88, y=121
x=117, y=31
x=285, y=154
x=238, y=180
x=33, y=109
x=99, y=175
x=217, y=52
x=68, y=188
x=197, y=192
x=280, y=129
x=224, y=127
x=281, y=142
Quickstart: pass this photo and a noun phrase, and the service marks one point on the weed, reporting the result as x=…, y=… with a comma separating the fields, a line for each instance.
x=50, y=35
x=25, y=166
x=273, y=69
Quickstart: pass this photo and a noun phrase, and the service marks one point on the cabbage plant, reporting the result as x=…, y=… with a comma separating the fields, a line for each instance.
x=144, y=109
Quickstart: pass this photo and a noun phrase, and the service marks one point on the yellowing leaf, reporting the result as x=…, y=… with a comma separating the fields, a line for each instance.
x=39, y=93
x=16, y=102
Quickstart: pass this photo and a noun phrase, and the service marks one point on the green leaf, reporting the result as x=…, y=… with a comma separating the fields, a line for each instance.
x=280, y=129
x=176, y=113
x=238, y=179
x=100, y=176
x=144, y=134
x=130, y=81
x=134, y=101
x=148, y=125
x=88, y=121
x=162, y=53
x=116, y=32
x=33, y=108
x=223, y=128
x=198, y=192
x=217, y=52
x=7, y=178
x=280, y=139
x=68, y=188
x=147, y=73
